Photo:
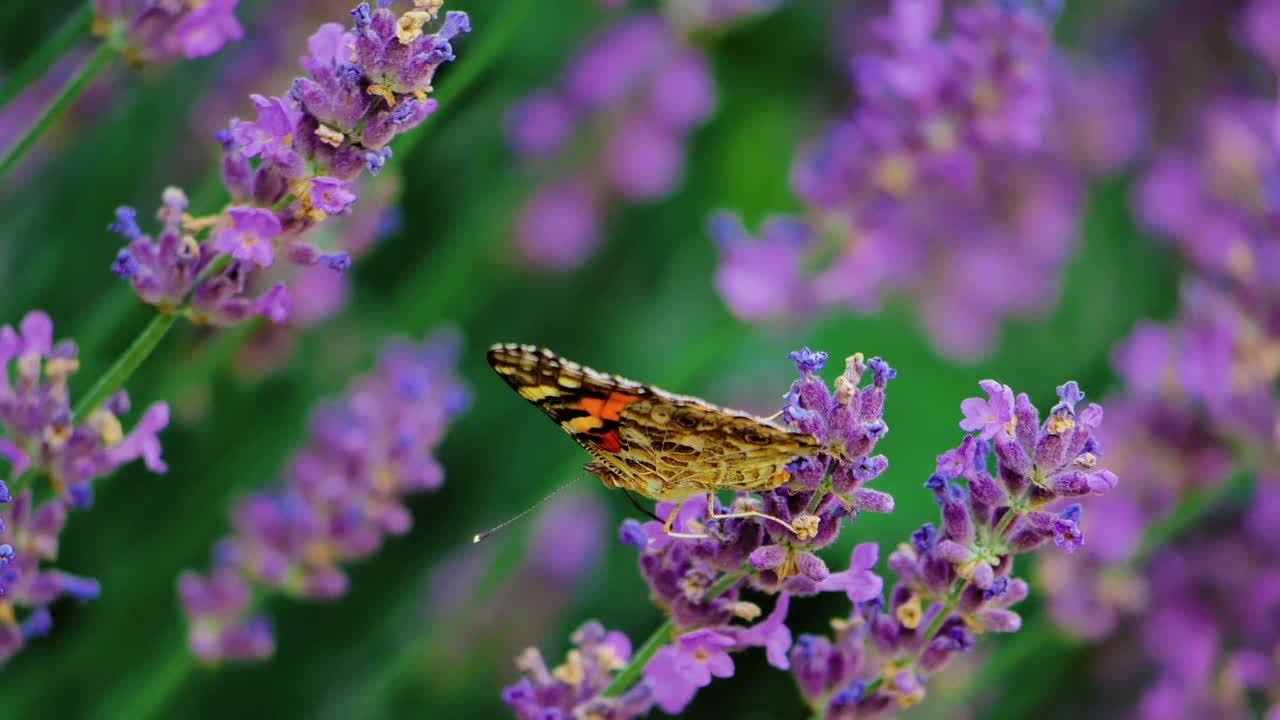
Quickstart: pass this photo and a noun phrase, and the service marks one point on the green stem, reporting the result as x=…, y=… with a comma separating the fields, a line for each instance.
x=68, y=35
x=69, y=94
x=623, y=681
x=124, y=365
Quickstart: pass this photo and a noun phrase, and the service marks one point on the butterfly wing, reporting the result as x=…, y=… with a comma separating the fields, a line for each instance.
x=648, y=440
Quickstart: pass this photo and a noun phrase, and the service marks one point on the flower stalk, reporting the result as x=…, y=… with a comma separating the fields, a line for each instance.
x=75, y=87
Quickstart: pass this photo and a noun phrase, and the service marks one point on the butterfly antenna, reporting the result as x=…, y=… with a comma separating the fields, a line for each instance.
x=481, y=536
x=646, y=511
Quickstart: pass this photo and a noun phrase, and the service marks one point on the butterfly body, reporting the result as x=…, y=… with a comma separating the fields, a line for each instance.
x=647, y=440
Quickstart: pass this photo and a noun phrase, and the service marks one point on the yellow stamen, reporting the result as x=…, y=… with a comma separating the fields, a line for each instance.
x=409, y=26
x=608, y=658
x=745, y=610
x=1059, y=424
x=107, y=426
x=61, y=366
x=382, y=92
x=895, y=174
x=571, y=671
x=906, y=700
x=190, y=248
x=384, y=480
x=909, y=613
x=329, y=136
x=806, y=527
x=195, y=225
x=1012, y=425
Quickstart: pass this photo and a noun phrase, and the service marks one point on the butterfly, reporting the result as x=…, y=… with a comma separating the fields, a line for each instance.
x=652, y=442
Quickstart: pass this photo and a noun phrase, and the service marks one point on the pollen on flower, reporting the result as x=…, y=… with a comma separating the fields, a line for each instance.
x=329, y=136
x=409, y=26
x=1059, y=424
x=571, y=671
x=745, y=610
x=380, y=91
x=909, y=613
x=894, y=174
x=107, y=425
x=806, y=526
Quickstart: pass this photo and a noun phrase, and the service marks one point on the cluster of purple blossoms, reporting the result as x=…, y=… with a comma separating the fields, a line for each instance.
x=1257, y=30
x=341, y=495
x=293, y=167
x=958, y=162
x=160, y=30
x=317, y=294
x=954, y=581
x=636, y=91
x=1199, y=396
x=1199, y=404
x=44, y=440
x=1213, y=623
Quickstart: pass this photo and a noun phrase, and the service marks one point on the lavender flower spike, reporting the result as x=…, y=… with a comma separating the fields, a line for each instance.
x=701, y=584
x=41, y=439
x=292, y=167
x=156, y=30
x=341, y=495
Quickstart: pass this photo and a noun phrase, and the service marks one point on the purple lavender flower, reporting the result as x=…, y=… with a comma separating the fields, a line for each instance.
x=43, y=440
x=158, y=31
x=858, y=582
x=1212, y=197
x=576, y=685
x=41, y=436
x=677, y=671
x=988, y=416
x=820, y=495
x=341, y=495
x=954, y=580
x=293, y=167
x=642, y=89
x=952, y=180
x=249, y=236
x=559, y=226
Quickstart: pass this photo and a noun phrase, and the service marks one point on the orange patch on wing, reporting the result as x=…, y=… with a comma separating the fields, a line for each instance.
x=609, y=408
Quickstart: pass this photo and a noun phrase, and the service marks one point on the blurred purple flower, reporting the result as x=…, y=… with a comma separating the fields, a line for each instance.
x=958, y=179
x=156, y=30
x=341, y=495
x=42, y=439
x=559, y=226
x=638, y=87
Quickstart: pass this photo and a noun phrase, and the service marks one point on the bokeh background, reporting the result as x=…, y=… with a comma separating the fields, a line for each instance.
x=432, y=623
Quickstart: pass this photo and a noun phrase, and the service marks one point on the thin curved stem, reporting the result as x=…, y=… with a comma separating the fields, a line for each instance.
x=114, y=378
x=74, y=88
x=71, y=33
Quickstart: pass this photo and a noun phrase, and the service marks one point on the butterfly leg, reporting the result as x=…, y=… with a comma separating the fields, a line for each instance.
x=671, y=518
x=711, y=515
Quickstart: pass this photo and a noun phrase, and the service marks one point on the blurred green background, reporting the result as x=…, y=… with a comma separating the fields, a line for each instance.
x=642, y=306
